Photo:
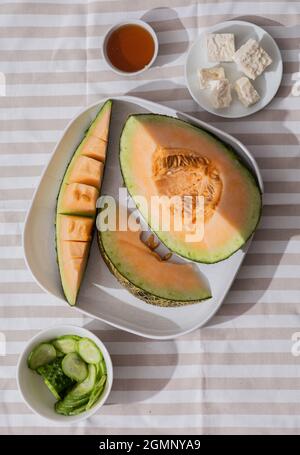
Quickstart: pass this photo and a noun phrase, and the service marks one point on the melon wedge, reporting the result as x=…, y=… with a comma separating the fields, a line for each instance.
x=94, y=147
x=78, y=199
x=146, y=275
x=72, y=257
x=165, y=156
x=86, y=170
x=76, y=228
x=76, y=204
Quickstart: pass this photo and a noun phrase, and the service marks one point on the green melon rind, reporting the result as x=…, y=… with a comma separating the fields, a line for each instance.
x=163, y=237
x=70, y=298
x=139, y=292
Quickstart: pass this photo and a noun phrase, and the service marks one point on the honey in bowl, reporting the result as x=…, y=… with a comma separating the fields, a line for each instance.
x=130, y=48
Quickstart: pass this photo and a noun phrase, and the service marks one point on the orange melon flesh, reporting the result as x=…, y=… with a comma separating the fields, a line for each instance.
x=237, y=211
x=76, y=228
x=144, y=269
x=76, y=205
x=86, y=170
x=94, y=147
x=101, y=129
x=72, y=262
x=78, y=199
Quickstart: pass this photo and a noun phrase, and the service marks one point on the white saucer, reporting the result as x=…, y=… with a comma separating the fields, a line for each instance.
x=267, y=84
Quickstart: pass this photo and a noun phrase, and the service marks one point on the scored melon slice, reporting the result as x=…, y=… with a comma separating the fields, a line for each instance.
x=163, y=156
x=78, y=199
x=146, y=275
x=86, y=170
x=76, y=228
x=94, y=147
x=76, y=204
x=72, y=263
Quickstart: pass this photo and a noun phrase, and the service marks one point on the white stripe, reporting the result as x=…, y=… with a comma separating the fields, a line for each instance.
x=10, y=252
x=183, y=347
x=17, y=182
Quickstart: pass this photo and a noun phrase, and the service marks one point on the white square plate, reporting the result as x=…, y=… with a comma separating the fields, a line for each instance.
x=266, y=84
x=101, y=296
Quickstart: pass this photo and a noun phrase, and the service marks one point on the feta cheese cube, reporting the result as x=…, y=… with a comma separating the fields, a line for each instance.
x=220, y=47
x=252, y=59
x=220, y=93
x=210, y=74
x=246, y=92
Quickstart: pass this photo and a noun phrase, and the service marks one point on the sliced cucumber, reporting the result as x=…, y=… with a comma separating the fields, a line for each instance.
x=41, y=355
x=96, y=393
x=86, y=386
x=66, y=343
x=74, y=367
x=88, y=351
x=54, y=378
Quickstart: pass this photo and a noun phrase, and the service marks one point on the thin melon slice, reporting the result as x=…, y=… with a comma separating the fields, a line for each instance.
x=76, y=204
x=146, y=275
x=95, y=148
x=72, y=258
x=165, y=156
x=101, y=129
x=86, y=170
x=76, y=228
x=78, y=199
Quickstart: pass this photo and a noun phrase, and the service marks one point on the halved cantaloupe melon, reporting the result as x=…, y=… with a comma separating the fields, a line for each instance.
x=76, y=228
x=146, y=275
x=86, y=170
x=165, y=156
x=78, y=199
x=76, y=204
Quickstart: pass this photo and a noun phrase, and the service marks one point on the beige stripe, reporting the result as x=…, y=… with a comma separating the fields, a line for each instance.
x=12, y=217
x=279, y=163
x=219, y=430
x=263, y=284
x=49, y=311
x=20, y=288
x=272, y=259
x=93, y=7
x=269, y=139
x=226, y=310
x=199, y=358
x=198, y=383
x=263, y=115
x=255, y=308
x=180, y=409
x=10, y=240
x=206, y=333
x=282, y=210
x=20, y=148
x=282, y=187
x=15, y=194
x=12, y=264
x=277, y=234
x=20, y=171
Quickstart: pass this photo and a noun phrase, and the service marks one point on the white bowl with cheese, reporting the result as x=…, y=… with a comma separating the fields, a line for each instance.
x=266, y=84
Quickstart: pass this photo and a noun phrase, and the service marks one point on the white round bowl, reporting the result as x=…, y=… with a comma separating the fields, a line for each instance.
x=121, y=24
x=36, y=394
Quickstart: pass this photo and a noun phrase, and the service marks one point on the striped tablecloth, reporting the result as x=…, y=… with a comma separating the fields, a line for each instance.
x=236, y=375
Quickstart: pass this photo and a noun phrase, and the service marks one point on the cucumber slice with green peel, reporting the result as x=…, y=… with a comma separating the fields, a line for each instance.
x=41, y=355
x=96, y=392
x=55, y=379
x=66, y=343
x=74, y=367
x=86, y=386
x=88, y=351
